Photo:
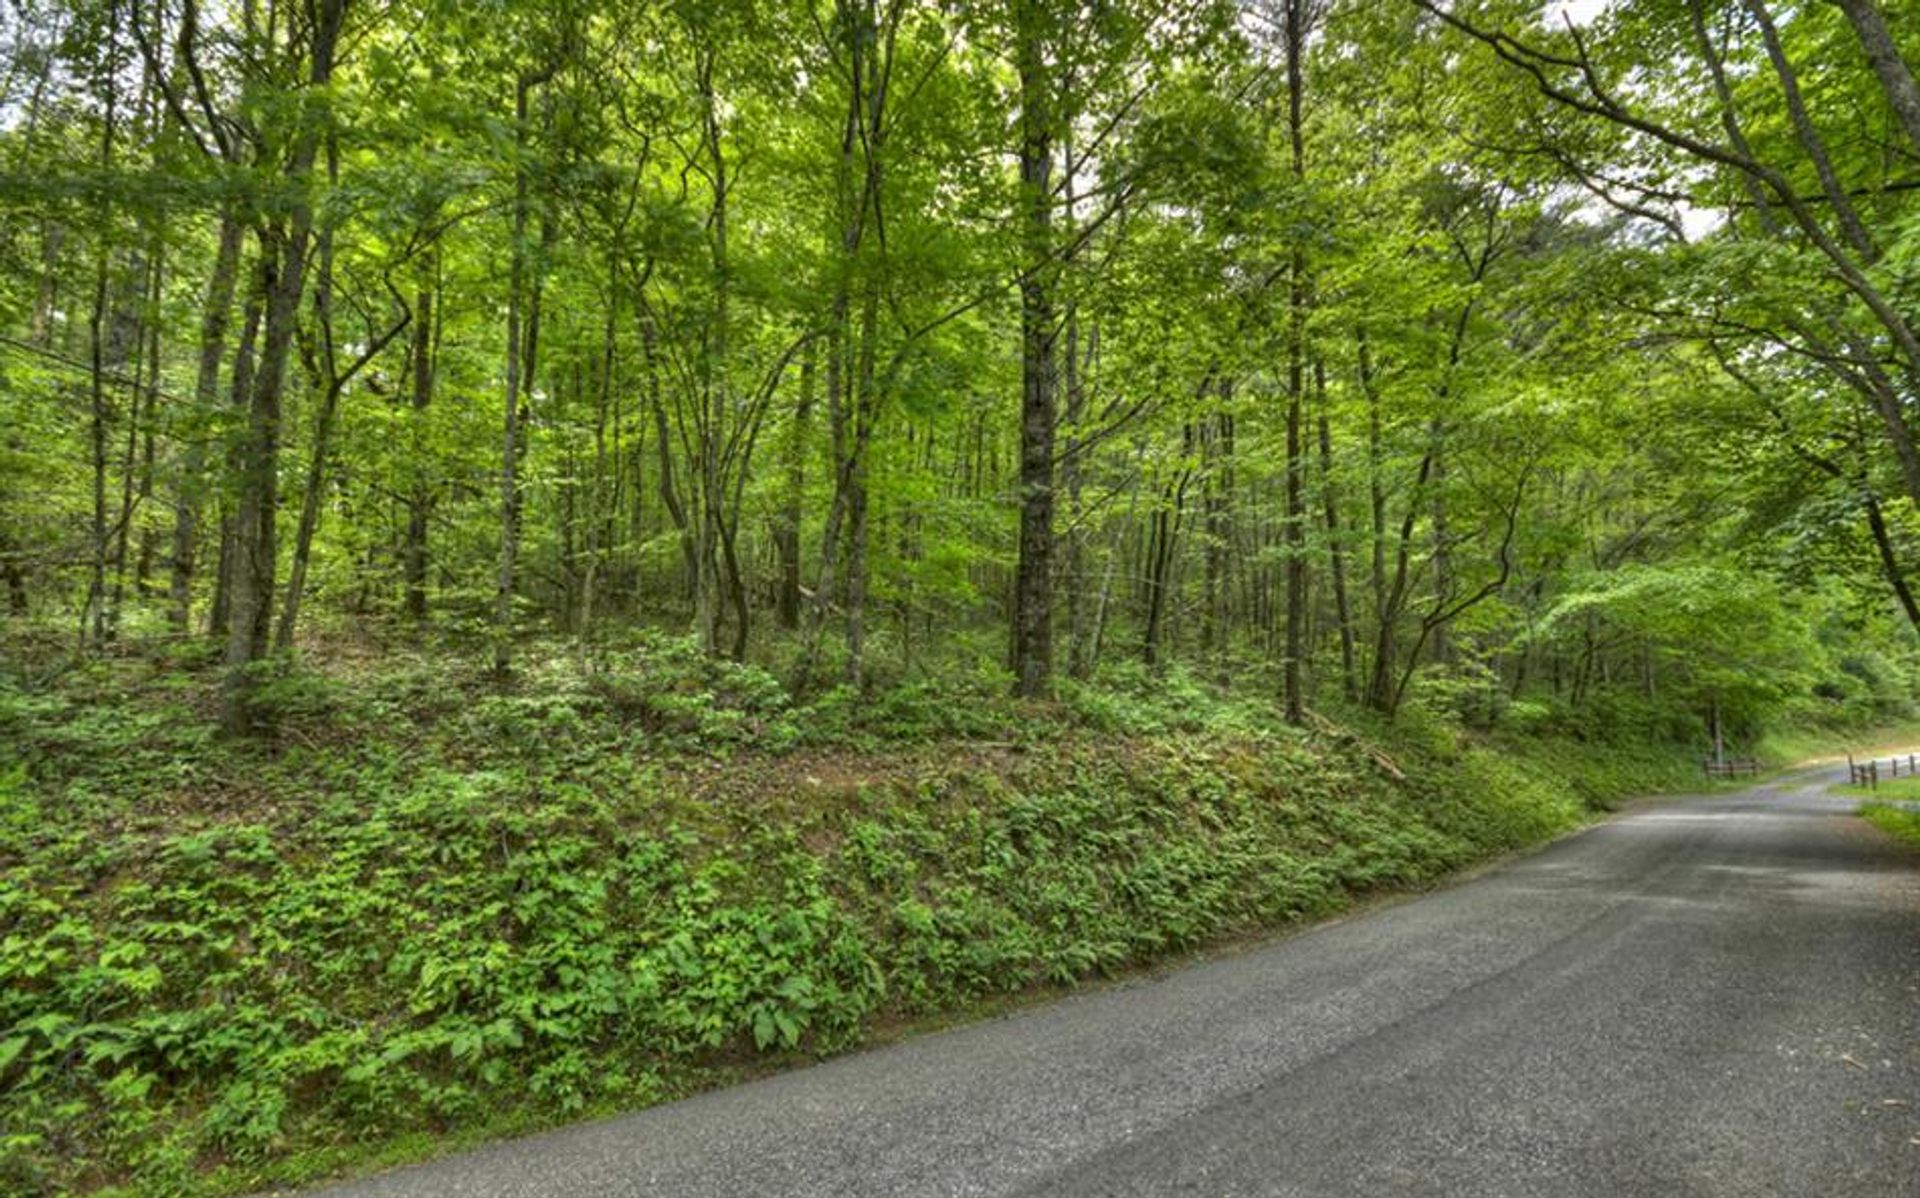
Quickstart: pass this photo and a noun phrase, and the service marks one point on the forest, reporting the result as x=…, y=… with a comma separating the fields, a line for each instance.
x=443, y=441
x=1327, y=345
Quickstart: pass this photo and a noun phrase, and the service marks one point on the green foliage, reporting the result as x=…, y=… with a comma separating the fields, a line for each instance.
x=543, y=901
x=1593, y=443
x=1900, y=821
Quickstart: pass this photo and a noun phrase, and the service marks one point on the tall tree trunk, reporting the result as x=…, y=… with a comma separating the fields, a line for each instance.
x=1443, y=580
x=149, y=403
x=1293, y=682
x=1376, y=481
x=220, y=611
x=283, y=257
x=1073, y=476
x=597, y=525
x=1162, y=543
x=420, y=494
x=510, y=448
x=1383, y=690
x=141, y=334
x=216, y=315
x=845, y=446
x=93, y=617
x=865, y=408
x=857, y=193
x=1336, y=543
x=787, y=529
x=326, y=389
x=1033, y=580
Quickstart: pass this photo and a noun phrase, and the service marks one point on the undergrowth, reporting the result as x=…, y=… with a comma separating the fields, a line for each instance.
x=431, y=906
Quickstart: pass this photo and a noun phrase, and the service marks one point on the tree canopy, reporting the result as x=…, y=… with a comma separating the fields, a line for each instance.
x=1493, y=351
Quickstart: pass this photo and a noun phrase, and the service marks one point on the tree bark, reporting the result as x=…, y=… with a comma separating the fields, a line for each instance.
x=1336, y=545
x=220, y=612
x=1032, y=657
x=1896, y=77
x=420, y=494
x=510, y=447
x=16, y=578
x=216, y=316
x=1162, y=542
x=1293, y=681
x=1851, y=226
x=283, y=257
x=786, y=537
x=93, y=616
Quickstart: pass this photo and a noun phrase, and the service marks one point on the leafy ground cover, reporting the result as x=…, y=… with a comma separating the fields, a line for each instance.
x=431, y=909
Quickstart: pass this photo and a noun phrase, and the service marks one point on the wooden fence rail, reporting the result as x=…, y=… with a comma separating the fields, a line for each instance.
x=1867, y=773
x=1732, y=767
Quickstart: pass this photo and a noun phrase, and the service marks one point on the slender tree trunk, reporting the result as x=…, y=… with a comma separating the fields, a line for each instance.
x=1383, y=691
x=15, y=576
x=596, y=525
x=1336, y=544
x=1895, y=75
x=1443, y=581
x=510, y=448
x=311, y=492
x=510, y=425
x=420, y=494
x=327, y=396
x=865, y=408
x=1073, y=476
x=787, y=530
x=138, y=330
x=845, y=446
x=1162, y=542
x=1851, y=226
x=1376, y=482
x=216, y=315
x=149, y=402
x=93, y=617
x=1213, y=531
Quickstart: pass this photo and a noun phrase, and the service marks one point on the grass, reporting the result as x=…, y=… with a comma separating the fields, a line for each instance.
x=1801, y=745
x=434, y=911
x=1902, y=822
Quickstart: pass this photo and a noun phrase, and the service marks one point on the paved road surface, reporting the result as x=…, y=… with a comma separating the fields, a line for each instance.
x=1710, y=997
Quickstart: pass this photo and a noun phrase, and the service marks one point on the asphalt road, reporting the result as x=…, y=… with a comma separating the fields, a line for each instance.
x=1708, y=997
